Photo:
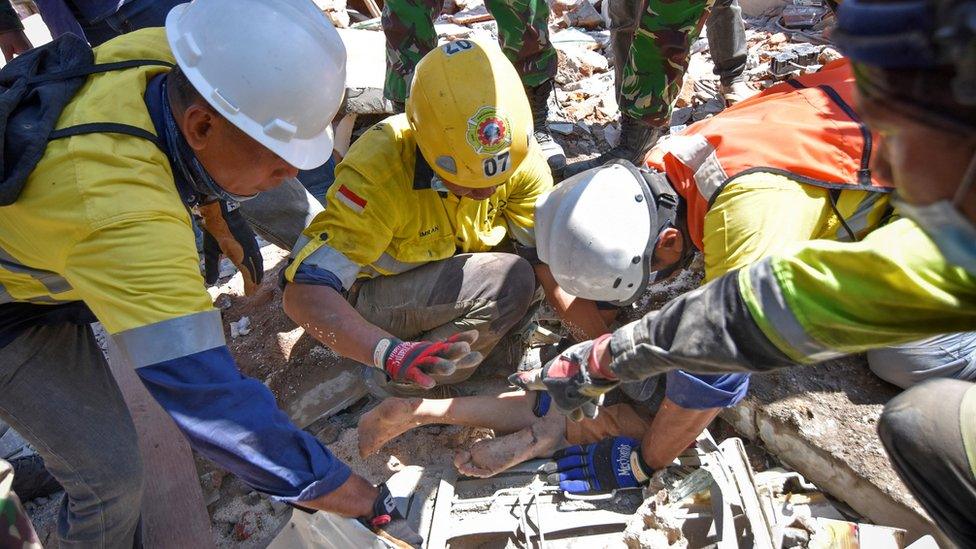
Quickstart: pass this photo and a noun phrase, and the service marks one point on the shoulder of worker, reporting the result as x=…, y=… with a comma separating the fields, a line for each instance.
x=382, y=162
x=905, y=256
x=100, y=177
x=896, y=286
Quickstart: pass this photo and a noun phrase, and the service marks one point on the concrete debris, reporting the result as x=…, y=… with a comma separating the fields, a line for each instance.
x=578, y=63
x=801, y=58
x=574, y=37
x=583, y=15
x=559, y=8
x=802, y=17
x=335, y=10
x=240, y=328
x=463, y=5
x=655, y=525
x=828, y=55
x=475, y=15
x=450, y=31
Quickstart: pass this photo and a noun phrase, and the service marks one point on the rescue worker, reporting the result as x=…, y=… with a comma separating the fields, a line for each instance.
x=279, y=215
x=95, y=225
x=655, y=219
x=523, y=34
x=818, y=300
x=415, y=243
x=653, y=39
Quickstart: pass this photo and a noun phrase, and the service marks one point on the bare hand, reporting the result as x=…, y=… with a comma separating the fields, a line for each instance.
x=13, y=43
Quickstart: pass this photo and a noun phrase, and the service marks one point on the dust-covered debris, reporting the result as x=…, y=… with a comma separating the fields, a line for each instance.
x=655, y=525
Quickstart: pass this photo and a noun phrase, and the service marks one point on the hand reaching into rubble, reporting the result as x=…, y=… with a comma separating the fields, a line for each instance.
x=228, y=233
x=605, y=466
x=577, y=379
x=389, y=522
x=415, y=361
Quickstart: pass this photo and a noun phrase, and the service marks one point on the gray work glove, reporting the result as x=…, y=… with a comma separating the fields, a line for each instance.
x=573, y=379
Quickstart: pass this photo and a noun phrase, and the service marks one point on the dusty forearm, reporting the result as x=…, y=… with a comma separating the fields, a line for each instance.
x=580, y=316
x=332, y=320
x=354, y=498
x=674, y=428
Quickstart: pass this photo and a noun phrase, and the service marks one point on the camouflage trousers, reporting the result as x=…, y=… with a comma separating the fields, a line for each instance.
x=523, y=34
x=16, y=530
x=651, y=44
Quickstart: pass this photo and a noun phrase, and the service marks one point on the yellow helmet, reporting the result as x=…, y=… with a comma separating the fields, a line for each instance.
x=469, y=113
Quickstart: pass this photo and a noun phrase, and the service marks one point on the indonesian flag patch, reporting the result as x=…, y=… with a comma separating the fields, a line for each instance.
x=351, y=199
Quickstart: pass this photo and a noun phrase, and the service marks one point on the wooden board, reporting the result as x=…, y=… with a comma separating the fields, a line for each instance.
x=173, y=512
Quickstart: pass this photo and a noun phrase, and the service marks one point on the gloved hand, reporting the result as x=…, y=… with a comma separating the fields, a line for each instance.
x=228, y=233
x=413, y=361
x=389, y=523
x=600, y=467
x=574, y=379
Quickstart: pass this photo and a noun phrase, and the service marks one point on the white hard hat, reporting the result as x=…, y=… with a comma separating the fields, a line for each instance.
x=275, y=69
x=597, y=230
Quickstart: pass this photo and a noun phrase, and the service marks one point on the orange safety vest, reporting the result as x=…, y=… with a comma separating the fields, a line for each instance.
x=804, y=128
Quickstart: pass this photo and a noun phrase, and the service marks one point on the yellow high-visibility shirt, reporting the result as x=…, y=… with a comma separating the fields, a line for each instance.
x=100, y=221
x=383, y=218
x=762, y=213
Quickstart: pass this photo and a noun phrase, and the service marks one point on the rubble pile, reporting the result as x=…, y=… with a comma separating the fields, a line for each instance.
x=584, y=111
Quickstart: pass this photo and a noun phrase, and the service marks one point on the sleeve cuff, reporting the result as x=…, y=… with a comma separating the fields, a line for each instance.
x=337, y=477
x=702, y=392
x=317, y=276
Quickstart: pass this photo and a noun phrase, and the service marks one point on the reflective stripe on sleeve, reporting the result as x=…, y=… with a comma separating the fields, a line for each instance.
x=699, y=155
x=54, y=282
x=170, y=339
x=866, y=216
x=766, y=301
x=332, y=260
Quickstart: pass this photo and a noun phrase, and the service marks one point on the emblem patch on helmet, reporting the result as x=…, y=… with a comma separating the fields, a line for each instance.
x=488, y=132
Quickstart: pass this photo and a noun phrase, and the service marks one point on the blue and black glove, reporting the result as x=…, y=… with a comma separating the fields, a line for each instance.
x=601, y=467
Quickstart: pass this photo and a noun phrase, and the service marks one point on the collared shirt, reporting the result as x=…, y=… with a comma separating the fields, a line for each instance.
x=382, y=216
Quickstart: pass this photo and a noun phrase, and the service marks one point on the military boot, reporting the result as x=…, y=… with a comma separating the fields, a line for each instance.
x=636, y=138
x=539, y=102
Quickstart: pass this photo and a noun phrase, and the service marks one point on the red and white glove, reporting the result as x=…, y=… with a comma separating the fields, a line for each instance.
x=415, y=361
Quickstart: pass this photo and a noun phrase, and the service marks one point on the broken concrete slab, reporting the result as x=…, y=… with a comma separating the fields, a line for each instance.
x=335, y=10
x=451, y=31
x=821, y=421
x=573, y=37
x=365, y=71
x=576, y=63
x=583, y=15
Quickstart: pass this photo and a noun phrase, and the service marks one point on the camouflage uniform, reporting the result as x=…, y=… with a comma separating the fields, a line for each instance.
x=16, y=530
x=653, y=38
x=523, y=33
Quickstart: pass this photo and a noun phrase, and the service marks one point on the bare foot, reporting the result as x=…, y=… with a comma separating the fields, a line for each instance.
x=392, y=417
x=492, y=456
